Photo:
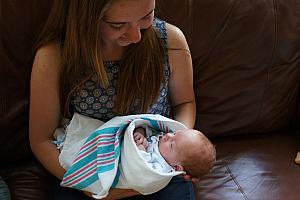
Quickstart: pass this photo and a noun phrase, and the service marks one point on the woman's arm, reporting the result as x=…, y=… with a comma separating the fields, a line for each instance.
x=181, y=79
x=45, y=113
x=44, y=107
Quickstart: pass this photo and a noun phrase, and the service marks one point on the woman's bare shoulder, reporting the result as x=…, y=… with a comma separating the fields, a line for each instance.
x=176, y=38
x=48, y=55
x=50, y=49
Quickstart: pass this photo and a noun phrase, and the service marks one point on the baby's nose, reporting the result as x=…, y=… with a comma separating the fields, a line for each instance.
x=168, y=136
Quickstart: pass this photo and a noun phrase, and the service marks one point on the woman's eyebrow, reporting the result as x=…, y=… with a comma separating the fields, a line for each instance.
x=110, y=22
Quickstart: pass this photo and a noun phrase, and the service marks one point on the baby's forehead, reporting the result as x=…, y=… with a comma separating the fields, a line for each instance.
x=192, y=138
x=188, y=133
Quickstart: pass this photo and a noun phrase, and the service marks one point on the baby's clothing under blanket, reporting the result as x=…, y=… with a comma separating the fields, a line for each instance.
x=153, y=156
x=99, y=156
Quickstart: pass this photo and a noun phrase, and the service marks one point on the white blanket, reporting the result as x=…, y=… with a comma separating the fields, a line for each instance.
x=98, y=156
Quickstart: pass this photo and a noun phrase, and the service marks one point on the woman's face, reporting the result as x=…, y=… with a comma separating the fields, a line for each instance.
x=124, y=20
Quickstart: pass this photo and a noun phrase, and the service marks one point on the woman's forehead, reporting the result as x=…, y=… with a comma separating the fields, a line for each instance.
x=129, y=10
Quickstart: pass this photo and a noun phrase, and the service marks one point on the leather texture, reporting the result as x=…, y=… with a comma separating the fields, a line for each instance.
x=246, y=62
x=253, y=168
x=20, y=23
x=246, y=57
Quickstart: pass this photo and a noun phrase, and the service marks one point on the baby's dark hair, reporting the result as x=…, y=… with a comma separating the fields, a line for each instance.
x=199, y=157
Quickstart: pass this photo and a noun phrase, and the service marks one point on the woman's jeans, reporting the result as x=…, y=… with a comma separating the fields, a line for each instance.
x=178, y=188
x=4, y=191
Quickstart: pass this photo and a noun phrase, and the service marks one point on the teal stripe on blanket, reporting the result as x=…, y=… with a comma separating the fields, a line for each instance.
x=106, y=168
x=82, y=163
x=158, y=126
x=86, y=183
x=105, y=131
x=106, y=149
x=116, y=180
x=72, y=179
x=153, y=123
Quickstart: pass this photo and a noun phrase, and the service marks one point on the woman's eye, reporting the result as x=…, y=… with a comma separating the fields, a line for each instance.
x=117, y=26
x=147, y=17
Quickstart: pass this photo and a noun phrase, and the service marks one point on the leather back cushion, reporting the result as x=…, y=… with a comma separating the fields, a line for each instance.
x=245, y=54
x=246, y=57
x=20, y=23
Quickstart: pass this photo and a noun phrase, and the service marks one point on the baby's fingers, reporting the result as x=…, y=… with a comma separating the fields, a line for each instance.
x=145, y=143
x=138, y=139
x=137, y=136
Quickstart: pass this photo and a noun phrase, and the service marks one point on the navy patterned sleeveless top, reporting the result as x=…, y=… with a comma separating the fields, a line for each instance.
x=98, y=102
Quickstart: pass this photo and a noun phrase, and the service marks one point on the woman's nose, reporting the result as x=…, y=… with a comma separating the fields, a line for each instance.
x=134, y=33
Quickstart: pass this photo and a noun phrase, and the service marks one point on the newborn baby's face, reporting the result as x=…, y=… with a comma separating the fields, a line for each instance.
x=170, y=146
x=173, y=146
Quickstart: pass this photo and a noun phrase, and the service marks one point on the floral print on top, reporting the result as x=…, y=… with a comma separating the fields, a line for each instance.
x=97, y=102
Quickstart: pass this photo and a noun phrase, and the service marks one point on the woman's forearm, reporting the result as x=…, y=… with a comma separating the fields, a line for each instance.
x=185, y=113
x=47, y=154
x=120, y=194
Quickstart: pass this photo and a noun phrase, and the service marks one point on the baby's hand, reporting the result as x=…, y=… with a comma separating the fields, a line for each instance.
x=139, y=138
x=141, y=147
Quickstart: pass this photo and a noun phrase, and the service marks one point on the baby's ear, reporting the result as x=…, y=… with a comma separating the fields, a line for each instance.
x=179, y=168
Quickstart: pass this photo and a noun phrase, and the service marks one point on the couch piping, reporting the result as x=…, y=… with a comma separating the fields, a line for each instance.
x=236, y=182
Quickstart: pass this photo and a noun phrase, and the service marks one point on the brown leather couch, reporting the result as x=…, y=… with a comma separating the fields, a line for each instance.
x=246, y=57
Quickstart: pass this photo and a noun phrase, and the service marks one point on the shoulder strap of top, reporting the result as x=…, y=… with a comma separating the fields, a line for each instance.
x=160, y=26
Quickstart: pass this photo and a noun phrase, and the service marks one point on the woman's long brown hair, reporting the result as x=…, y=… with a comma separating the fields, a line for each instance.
x=75, y=23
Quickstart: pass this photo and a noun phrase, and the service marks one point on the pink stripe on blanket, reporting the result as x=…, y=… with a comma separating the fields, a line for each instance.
x=75, y=182
x=106, y=154
x=85, y=168
x=111, y=161
x=85, y=154
x=99, y=137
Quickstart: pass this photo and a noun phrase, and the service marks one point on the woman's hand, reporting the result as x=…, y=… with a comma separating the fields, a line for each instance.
x=116, y=194
x=188, y=177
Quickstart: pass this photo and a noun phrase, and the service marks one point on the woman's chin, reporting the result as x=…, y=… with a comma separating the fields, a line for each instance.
x=124, y=44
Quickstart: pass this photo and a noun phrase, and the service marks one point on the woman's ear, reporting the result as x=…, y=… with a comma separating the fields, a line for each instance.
x=179, y=168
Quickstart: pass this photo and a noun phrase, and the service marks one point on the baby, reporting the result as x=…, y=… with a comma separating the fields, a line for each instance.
x=184, y=150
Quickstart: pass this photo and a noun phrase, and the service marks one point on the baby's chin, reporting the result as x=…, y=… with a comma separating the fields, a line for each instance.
x=159, y=141
x=161, y=152
x=159, y=148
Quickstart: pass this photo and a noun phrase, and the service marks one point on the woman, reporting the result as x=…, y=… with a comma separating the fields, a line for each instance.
x=103, y=58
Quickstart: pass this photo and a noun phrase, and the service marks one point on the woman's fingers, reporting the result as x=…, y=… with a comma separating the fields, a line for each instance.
x=188, y=178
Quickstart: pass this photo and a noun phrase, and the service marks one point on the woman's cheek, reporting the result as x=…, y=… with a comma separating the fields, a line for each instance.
x=108, y=33
x=111, y=35
x=146, y=25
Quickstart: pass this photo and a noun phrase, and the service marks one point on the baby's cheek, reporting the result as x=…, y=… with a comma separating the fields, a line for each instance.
x=163, y=150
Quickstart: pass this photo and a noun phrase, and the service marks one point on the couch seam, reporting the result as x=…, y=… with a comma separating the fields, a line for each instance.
x=271, y=63
x=236, y=182
x=222, y=29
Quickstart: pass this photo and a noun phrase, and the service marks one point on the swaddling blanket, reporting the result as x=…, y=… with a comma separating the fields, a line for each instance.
x=98, y=156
